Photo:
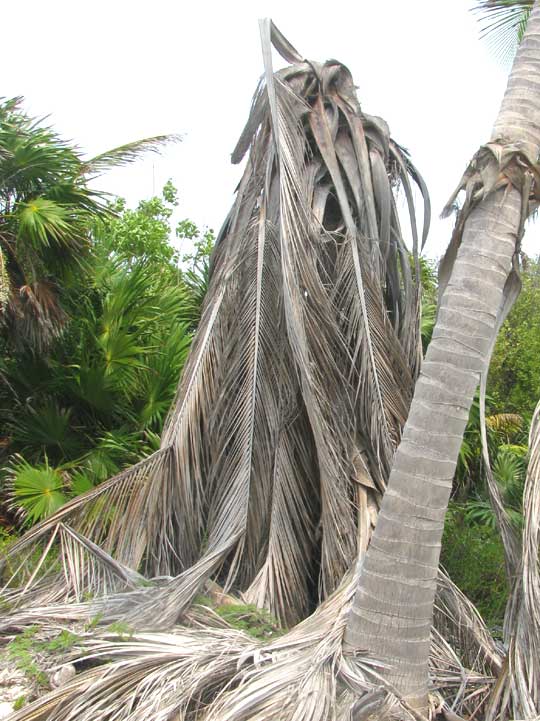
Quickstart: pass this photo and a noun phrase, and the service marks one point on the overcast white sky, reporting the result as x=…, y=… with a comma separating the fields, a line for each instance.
x=112, y=71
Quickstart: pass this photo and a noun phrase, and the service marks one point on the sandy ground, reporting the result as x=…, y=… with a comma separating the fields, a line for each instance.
x=13, y=685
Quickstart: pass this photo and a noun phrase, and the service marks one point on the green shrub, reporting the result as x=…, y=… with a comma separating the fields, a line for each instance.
x=473, y=555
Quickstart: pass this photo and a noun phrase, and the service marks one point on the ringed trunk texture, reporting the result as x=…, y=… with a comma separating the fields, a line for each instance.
x=393, y=606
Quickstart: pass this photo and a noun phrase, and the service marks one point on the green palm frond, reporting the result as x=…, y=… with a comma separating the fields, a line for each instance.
x=113, y=451
x=194, y=286
x=42, y=222
x=478, y=511
x=503, y=23
x=429, y=315
x=80, y=483
x=509, y=470
x=46, y=427
x=128, y=153
x=95, y=388
x=157, y=385
x=46, y=211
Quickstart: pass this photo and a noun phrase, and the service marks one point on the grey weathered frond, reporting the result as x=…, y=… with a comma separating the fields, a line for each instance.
x=82, y=570
x=282, y=584
x=522, y=620
x=459, y=622
x=222, y=674
x=113, y=515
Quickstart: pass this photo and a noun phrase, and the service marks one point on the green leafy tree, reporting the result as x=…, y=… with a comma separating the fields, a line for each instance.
x=514, y=377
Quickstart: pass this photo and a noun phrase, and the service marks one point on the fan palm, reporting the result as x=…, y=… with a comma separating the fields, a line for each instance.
x=46, y=208
x=116, y=368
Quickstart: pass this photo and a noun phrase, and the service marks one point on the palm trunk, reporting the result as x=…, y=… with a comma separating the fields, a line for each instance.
x=393, y=607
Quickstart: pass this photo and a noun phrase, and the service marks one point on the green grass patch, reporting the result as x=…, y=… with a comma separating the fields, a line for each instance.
x=246, y=617
x=26, y=649
x=19, y=703
x=21, y=651
x=121, y=629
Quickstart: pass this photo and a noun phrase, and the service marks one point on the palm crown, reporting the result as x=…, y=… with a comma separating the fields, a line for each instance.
x=46, y=206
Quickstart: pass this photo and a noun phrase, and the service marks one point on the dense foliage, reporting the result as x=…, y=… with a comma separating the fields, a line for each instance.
x=98, y=308
x=96, y=401
x=46, y=208
x=515, y=367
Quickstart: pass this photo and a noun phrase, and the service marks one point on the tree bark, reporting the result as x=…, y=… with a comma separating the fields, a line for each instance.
x=393, y=607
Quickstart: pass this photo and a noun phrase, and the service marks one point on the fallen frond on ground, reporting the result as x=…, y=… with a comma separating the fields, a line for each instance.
x=227, y=674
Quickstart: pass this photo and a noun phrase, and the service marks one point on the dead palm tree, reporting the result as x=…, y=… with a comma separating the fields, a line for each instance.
x=277, y=449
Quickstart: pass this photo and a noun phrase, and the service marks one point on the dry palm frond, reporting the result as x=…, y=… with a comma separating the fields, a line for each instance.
x=224, y=674
x=113, y=515
x=69, y=570
x=277, y=448
x=522, y=621
x=505, y=422
x=275, y=455
x=460, y=624
x=504, y=523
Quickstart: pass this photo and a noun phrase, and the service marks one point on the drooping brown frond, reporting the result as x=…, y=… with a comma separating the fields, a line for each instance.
x=35, y=314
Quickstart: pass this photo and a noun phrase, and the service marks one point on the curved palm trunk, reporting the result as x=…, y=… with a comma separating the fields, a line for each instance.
x=393, y=606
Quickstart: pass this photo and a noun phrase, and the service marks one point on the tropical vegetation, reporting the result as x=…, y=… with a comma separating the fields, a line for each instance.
x=265, y=539
x=88, y=371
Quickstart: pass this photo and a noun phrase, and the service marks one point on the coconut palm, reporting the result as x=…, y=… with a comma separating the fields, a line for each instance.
x=474, y=298
x=277, y=451
x=46, y=209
